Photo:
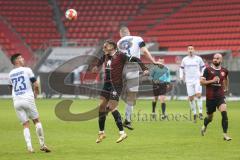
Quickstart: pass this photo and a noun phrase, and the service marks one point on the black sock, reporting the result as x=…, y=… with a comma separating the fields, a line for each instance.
x=101, y=120
x=118, y=119
x=153, y=106
x=207, y=121
x=224, y=121
x=194, y=116
x=163, y=108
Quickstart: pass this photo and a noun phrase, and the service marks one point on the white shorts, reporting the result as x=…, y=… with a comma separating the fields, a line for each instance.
x=193, y=88
x=25, y=110
x=131, y=73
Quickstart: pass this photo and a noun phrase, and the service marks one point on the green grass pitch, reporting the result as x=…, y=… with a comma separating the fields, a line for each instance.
x=173, y=139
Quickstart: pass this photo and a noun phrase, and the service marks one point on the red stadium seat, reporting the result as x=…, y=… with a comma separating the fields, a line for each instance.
x=100, y=16
x=32, y=19
x=207, y=24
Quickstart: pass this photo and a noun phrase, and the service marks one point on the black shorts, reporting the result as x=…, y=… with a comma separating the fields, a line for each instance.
x=159, y=89
x=111, y=92
x=212, y=104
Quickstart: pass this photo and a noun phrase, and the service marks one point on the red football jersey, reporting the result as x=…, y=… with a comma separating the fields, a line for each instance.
x=215, y=90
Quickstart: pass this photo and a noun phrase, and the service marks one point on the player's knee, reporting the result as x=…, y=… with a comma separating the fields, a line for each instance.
x=131, y=96
x=155, y=99
x=26, y=124
x=36, y=120
x=198, y=95
x=191, y=98
x=112, y=108
x=102, y=107
x=210, y=117
x=162, y=99
x=131, y=102
x=223, y=108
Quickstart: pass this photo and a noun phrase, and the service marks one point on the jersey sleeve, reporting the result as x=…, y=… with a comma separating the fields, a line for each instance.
x=141, y=42
x=31, y=75
x=202, y=66
x=205, y=73
x=182, y=64
x=181, y=70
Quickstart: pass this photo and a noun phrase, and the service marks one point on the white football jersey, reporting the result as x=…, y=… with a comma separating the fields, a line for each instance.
x=19, y=78
x=191, y=67
x=131, y=45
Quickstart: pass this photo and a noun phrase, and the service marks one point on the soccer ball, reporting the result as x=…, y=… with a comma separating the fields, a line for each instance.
x=71, y=14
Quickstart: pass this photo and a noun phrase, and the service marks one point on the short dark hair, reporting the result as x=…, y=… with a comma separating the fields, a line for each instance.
x=14, y=57
x=190, y=45
x=110, y=41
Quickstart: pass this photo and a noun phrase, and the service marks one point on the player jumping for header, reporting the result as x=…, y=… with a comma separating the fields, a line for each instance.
x=114, y=62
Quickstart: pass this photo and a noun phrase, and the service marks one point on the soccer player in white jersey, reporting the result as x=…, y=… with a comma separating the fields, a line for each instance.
x=21, y=79
x=133, y=46
x=190, y=71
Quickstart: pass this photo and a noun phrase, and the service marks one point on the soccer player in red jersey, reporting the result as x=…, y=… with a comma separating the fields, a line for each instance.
x=215, y=78
x=114, y=62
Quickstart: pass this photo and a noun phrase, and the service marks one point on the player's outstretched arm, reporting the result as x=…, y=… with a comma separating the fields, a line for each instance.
x=148, y=55
x=140, y=63
x=35, y=89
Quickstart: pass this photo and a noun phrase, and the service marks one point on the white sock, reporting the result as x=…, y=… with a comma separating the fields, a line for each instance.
x=128, y=113
x=121, y=132
x=27, y=137
x=193, y=107
x=39, y=131
x=199, y=104
x=101, y=132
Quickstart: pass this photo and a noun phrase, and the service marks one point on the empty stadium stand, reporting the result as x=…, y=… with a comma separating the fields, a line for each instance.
x=98, y=19
x=11, y=43
x=206, y=24
x=153, y=13
x=32, y=19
